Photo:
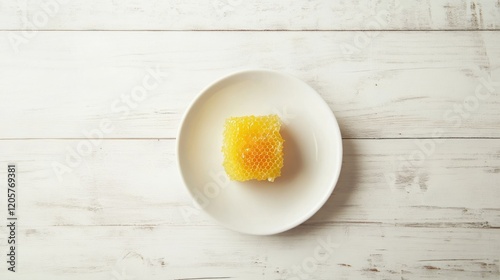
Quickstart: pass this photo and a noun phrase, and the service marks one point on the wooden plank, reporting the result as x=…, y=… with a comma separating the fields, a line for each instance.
x=136, y=182
x=396, y=85
x=255, y=15
x=201, y=252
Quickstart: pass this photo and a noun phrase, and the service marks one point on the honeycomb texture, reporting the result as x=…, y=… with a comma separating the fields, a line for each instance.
x=253, y=148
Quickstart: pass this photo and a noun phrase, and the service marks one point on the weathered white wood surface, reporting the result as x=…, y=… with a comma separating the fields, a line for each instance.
x=118, y=214
x=249, y=15
x=402, y=83
x=415, y=86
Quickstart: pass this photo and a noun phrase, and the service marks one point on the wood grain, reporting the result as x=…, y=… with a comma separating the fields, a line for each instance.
x=210, y=252
x=136, y=182
x=250, y=15
x=415, y=86
x=120, y=212
x=404, y=84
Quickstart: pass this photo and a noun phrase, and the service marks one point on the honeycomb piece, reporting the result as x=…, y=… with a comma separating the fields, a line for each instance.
x=253, y=148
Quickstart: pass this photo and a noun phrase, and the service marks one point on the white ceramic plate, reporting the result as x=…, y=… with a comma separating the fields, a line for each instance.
x=312, y=152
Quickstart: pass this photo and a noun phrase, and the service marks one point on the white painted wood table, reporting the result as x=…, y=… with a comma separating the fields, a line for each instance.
x=415, y=86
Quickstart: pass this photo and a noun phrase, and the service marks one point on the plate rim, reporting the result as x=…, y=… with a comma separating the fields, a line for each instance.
x=303, y=218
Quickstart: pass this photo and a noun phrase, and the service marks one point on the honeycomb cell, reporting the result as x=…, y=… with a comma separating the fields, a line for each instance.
x=253, y=148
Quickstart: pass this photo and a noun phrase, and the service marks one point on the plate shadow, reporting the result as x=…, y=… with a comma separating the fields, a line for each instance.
x=338, y=201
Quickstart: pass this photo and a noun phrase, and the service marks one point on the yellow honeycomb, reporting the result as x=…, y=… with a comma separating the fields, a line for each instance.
x=253, y=148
